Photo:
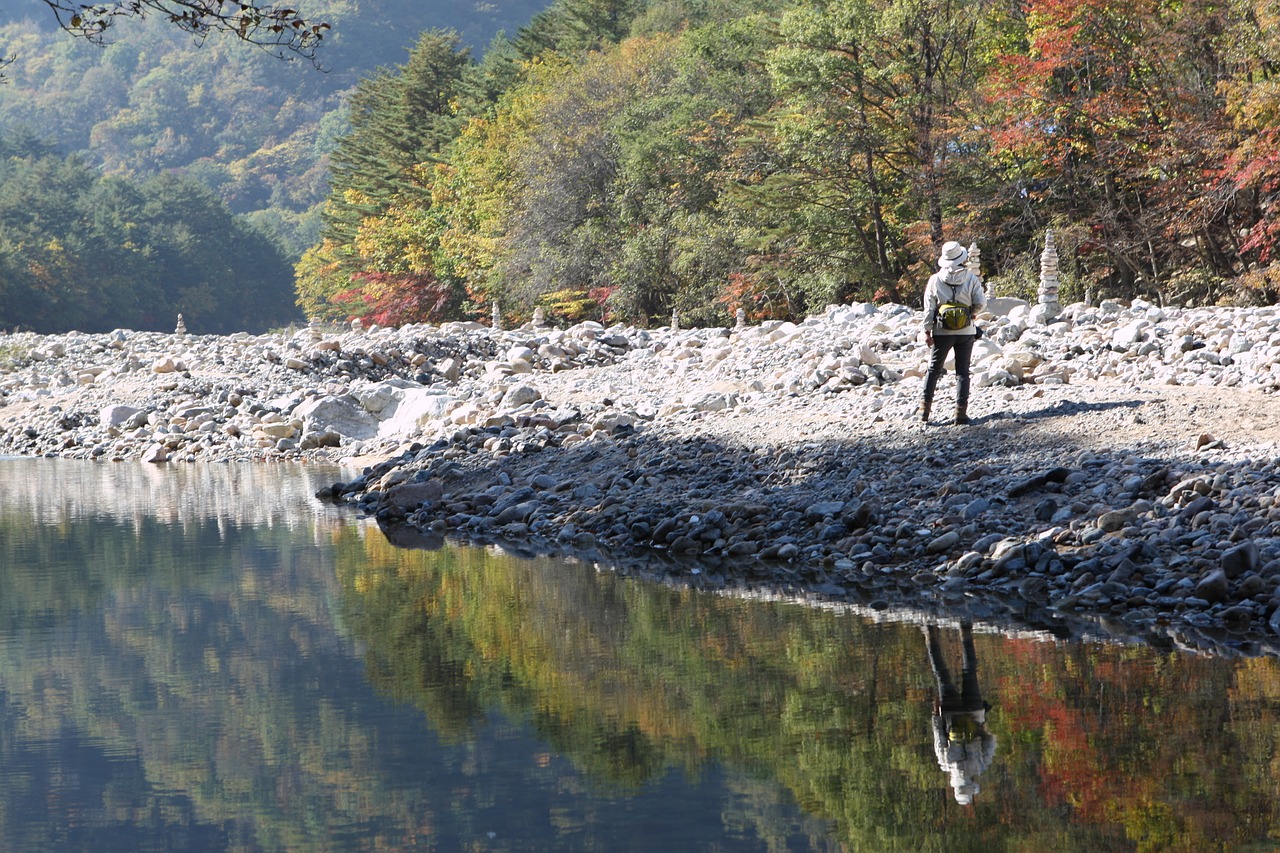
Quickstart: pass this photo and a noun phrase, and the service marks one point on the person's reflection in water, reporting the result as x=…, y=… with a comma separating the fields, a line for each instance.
x=960, y=738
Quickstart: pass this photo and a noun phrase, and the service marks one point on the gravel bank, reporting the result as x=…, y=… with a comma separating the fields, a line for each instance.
x=1120, y=474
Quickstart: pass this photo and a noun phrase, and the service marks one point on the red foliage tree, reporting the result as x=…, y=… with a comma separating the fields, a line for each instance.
x=1114, y=116
x=395, y=299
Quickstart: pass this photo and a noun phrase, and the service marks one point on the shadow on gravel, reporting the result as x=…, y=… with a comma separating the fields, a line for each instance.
x=913, y=502
x=1069, y=408
x=875, y=524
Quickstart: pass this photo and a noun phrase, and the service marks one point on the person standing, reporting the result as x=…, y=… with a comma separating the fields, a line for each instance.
x=952, y=298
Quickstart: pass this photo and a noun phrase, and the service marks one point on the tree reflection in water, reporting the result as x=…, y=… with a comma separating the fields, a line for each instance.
x=174, y=667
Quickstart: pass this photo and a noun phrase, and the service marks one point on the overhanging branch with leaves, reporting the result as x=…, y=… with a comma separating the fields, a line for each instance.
x=278, y=29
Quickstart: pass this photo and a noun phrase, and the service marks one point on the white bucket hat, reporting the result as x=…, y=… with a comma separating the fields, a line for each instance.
x=953, y=254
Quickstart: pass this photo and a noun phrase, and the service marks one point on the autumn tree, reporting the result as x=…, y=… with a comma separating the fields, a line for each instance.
x=1251, y=185
x=600, y=182
x=1111, y=116
x=875, y=96
x=401, y=121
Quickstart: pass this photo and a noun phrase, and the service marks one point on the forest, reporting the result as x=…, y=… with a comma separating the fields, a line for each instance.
x=621, y=160
x=249, y=127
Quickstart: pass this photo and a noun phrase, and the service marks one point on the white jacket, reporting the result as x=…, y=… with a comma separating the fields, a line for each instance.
x=952, y=284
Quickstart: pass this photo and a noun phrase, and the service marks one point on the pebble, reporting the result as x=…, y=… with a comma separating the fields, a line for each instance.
x=784, y=455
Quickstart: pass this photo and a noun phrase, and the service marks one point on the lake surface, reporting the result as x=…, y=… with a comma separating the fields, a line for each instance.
x=207, y=658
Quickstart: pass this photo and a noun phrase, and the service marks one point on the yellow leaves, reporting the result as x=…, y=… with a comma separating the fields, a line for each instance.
x=1257, y=681
x=356, y=198
x=1253, y=104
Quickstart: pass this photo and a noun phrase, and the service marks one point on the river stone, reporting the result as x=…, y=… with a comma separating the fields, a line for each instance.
x=945, y=542
x=1038, y=481
x=408, y=496
x=1214, y=587
x=1116, y=519
x=517, y=513
x=278, y=430
x=710, y=401
x=117, y=415
x=521, y=395
x=1250, y=586
x=450, y=369
x=376, y=397
x=156, y=453
x=1240, y=559
x=1201, y=504
x=818, y=511
x=340, y=415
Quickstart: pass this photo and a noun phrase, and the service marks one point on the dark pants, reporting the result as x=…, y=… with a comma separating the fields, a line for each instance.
x=962, y=346
x=969, y=697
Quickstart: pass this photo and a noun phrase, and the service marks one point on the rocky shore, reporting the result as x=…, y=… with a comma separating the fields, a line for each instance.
x=1121, y=472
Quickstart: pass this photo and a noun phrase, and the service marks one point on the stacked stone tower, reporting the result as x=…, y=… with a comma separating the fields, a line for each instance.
x=974, y=264
x=1048, y=297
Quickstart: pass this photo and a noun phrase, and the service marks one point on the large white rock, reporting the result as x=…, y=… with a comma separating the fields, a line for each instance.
x=1130, y=333
x=117, y=415
x=1003, y=306
x=1044, y=313
x=414, y=409
x=521, y=395
x=710, y=401
x=342, y=415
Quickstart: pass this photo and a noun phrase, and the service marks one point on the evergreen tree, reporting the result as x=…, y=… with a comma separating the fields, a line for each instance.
x=399, y=118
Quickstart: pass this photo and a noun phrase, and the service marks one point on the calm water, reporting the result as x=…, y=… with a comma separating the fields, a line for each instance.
x=205, y=658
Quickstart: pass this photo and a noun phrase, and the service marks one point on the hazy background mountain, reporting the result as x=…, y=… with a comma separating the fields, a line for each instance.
x=251, y=127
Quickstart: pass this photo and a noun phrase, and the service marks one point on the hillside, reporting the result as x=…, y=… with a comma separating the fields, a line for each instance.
x=253, y=128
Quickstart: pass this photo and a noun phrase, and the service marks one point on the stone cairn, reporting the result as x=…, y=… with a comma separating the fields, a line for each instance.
x=539, y=318
x=740, y=318
x=496, y=316
x=181, y=328
x=1048, y=297
x=675, y=322
x=974, y=264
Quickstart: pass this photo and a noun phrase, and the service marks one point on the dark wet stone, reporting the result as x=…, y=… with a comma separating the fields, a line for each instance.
x=1213, y=588
x=1123, y=572
x=815, y=513
x=1034, y=588
x=1039, y=481
x=1237, y=615
x=662, y=533
x=1114, y=520
x=1240, y=559
x=1251, y=585
x=1204, y=503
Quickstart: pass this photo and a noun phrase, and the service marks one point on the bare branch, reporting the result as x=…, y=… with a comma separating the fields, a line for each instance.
x=275, y=28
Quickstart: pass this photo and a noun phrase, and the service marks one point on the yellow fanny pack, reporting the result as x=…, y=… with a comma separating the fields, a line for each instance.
x=953, y=315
